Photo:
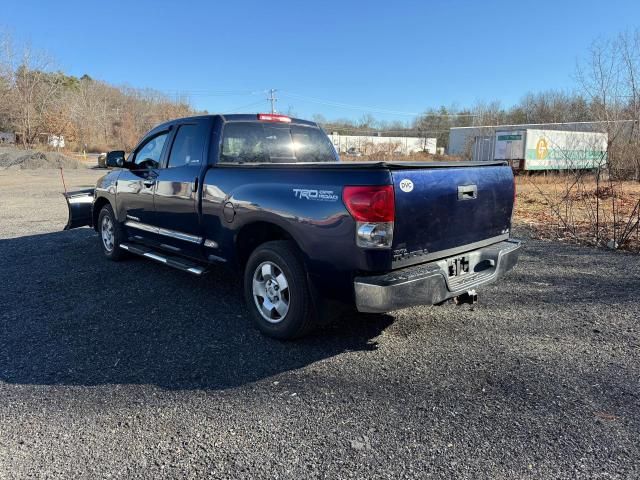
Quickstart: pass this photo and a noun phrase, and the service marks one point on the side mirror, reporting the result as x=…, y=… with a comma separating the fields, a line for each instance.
x=115, y=159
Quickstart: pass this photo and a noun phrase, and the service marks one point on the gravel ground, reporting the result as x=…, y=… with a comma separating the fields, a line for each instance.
x=136, y=370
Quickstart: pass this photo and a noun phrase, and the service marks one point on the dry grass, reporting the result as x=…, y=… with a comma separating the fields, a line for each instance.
x=579, y=209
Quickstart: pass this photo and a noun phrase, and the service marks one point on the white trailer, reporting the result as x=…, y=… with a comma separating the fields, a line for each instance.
x=535, y=149
x=370, y=144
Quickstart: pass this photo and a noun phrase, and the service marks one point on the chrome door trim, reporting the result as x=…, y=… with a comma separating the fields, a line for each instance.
x=180, y=235
x=164, y=231
x=141, y=226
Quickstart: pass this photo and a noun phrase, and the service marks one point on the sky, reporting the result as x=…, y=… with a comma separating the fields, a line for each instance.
x=341, y=59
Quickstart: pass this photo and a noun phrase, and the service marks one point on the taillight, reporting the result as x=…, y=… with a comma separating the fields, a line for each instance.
x=272, y=117
x=373, y=209
x=371, y=203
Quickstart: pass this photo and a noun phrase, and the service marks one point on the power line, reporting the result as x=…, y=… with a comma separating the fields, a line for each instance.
x=370, y=109
x=272, y=99
x=213, y=93
x=348, y=106
x=246, y=106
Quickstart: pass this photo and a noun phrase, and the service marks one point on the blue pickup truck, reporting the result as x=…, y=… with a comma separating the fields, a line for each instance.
x=268, y=196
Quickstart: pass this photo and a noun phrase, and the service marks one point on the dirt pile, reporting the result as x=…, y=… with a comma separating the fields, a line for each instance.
x=13, y=158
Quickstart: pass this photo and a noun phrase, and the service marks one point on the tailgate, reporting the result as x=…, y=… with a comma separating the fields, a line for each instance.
x=442, y=211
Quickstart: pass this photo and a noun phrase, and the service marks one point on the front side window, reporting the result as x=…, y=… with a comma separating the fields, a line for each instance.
x=149, y=155
x=254, y=142
x=188, y=146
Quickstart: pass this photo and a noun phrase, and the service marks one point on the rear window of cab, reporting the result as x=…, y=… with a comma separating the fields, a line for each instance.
x=255, y=142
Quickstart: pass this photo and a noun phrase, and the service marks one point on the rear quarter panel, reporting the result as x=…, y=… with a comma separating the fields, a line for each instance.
x=305, y=202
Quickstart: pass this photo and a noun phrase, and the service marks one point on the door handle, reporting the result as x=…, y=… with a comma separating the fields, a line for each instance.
x=149, y=182
x=194, y=186
x=467, y=192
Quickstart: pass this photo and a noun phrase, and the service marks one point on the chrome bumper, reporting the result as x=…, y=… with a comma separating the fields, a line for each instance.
x=430, y=283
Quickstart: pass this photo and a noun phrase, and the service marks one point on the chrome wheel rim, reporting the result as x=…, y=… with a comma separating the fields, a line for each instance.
x=106, y=231
x=271, y=292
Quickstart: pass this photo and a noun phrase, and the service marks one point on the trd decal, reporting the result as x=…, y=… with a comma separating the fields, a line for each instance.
x=316, y=195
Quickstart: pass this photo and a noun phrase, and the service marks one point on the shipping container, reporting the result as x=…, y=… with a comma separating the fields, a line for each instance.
x=483, y=148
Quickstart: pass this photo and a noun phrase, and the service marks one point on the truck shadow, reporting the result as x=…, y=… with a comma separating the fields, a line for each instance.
x=71, y=317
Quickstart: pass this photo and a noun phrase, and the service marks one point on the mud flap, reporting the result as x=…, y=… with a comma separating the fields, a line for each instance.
x=80, y=206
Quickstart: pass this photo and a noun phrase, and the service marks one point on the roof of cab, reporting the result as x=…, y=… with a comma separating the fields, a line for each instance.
x=253, y=117
x=233, y=117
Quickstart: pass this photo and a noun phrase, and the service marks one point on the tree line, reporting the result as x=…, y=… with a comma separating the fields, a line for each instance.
x=607, y=90
x=37, y=101
x=551, y=106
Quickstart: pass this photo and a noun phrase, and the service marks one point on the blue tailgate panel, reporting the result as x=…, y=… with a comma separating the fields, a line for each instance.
x=432, y=218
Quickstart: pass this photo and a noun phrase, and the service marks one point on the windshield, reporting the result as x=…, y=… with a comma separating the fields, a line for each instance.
x=254, y=142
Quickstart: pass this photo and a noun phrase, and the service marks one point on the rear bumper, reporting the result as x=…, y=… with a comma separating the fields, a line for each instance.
x=430, y=283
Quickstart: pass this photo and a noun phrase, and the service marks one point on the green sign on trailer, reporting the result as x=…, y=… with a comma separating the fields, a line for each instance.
x=504, y=138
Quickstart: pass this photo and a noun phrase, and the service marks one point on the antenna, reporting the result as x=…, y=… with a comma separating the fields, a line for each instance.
x=272, y=99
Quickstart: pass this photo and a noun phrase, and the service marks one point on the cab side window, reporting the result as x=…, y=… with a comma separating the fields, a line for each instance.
x=148, y=156
x=244, y=142
x=188, y=146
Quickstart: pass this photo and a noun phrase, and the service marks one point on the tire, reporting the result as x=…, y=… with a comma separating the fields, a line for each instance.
x=111, y=234
x=276, y=291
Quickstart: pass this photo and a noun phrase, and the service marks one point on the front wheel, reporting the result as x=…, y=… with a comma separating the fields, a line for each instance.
x=276, y=291
x=111, y=234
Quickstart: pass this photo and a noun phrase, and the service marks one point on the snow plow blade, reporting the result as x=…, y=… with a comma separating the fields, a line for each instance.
x=80, y=205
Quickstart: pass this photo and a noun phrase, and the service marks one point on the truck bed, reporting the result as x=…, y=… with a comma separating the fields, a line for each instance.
x=366, y=165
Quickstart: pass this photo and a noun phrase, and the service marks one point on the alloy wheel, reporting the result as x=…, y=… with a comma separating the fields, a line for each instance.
x=107, y=233
x=271, y=292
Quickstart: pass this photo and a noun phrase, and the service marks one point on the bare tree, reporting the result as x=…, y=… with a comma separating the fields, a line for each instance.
x=629, y=51
x=595, y=208
x=8, y=111
x=36, y=100
x=36, y=88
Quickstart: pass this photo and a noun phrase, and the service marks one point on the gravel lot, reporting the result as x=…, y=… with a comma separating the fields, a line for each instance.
x=137, y=370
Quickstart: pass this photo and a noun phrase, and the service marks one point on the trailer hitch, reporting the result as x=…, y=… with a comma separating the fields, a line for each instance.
x=470, y=297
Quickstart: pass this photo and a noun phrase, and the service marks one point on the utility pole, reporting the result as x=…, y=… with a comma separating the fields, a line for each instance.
x=272, y=99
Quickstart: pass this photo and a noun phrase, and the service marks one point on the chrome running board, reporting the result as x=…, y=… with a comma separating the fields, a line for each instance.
x=161, y=257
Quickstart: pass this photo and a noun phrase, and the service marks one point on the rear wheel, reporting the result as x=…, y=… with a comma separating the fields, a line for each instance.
x=276, y=291
x=111, y=234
